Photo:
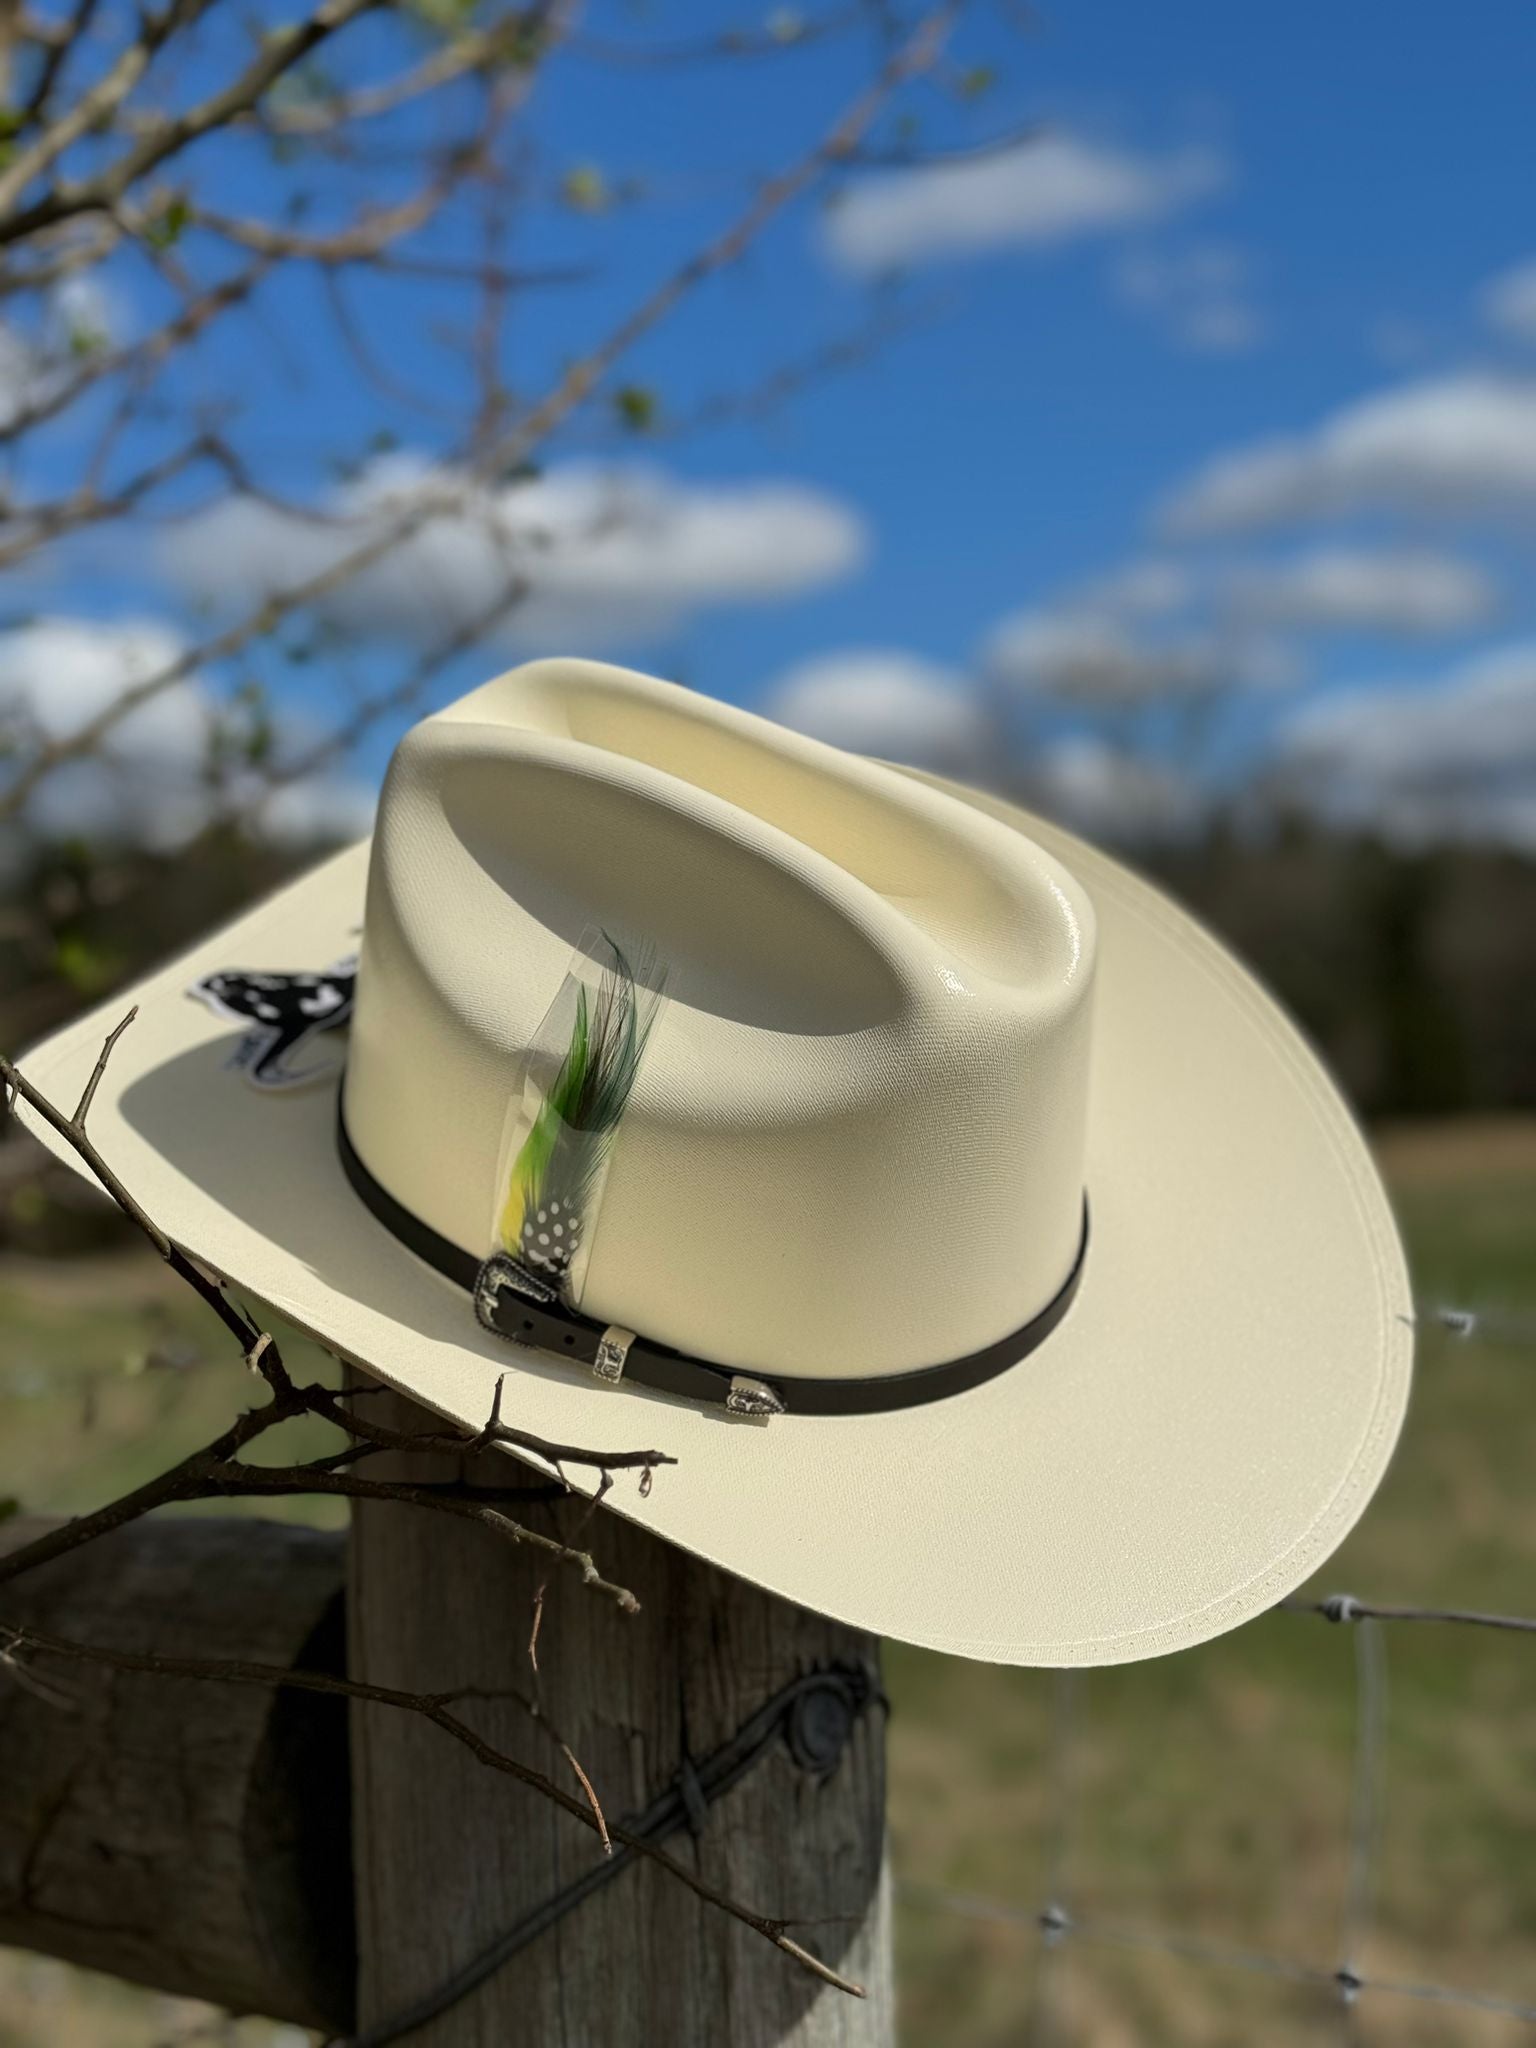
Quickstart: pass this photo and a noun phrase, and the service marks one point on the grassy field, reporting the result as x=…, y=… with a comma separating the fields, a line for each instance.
x=1207, y=1794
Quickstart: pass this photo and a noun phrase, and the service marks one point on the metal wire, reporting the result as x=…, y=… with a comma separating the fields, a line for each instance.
x=1058, y=1921
x=1195, y=1948
x=1347, y=1980
x=1344, y=1607
x=1053, y=1920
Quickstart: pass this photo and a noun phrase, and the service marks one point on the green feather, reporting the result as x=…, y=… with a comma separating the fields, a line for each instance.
x=563, y=1155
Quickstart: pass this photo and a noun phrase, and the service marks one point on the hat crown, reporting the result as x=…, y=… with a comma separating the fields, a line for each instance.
x=855, y=1144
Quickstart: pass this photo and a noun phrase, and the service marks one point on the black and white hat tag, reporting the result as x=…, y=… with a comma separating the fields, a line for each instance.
x=283, y=1012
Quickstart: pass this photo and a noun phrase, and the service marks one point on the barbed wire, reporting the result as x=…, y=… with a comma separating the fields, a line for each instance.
x=1058, y=1920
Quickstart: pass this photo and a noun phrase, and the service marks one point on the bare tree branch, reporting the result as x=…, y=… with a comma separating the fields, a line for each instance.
x=83, y=252
x=90, y=112
x=359, y=242
x=280, y=52
x=141, y=355
x=67, y=36
x=88, y=506
x=512, y=37
x=919, y=51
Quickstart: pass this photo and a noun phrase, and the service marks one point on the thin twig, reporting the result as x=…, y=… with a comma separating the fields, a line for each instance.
x=465, y=53
x=88, y=1096
x=74, y=33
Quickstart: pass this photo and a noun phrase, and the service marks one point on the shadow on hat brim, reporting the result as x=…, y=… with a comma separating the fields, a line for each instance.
x=1192, y=1442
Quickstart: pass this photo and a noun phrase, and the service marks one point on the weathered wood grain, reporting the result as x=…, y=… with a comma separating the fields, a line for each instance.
x=447, y=1855
x=184, y=1835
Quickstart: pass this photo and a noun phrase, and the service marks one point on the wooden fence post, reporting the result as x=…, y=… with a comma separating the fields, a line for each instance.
x=188, y=1836
x=448, y=1855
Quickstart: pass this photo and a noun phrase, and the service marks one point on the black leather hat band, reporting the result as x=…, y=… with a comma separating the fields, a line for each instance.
x=516, y=1305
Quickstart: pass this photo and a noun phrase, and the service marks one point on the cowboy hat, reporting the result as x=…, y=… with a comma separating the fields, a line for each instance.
x=996, y=1261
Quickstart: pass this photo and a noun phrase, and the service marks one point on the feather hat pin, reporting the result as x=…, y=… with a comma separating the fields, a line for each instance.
x=555, y=1179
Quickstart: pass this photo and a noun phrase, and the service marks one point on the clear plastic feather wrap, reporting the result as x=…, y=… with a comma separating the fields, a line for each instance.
x=561, y=1123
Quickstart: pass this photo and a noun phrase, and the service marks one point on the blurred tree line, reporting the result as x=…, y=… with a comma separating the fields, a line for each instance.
x=1409, y=970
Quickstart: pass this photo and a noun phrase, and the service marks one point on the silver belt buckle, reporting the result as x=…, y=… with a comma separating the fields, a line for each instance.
x=751, y=1397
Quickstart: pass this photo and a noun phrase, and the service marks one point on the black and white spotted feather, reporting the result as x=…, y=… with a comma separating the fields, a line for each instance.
x=282, y=1013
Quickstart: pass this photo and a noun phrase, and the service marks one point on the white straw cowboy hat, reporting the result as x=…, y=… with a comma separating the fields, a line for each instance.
x=993, y=1256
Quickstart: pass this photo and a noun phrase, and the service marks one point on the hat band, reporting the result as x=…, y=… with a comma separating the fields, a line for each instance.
x=520, y=1312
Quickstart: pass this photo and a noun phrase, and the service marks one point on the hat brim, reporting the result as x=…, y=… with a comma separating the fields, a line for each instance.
x=1192, y=1442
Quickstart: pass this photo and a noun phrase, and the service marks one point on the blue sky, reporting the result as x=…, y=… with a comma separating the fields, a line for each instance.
x=1380, y=168
x=1307, y=207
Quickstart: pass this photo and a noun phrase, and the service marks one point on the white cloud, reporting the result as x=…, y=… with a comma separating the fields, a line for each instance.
x=56, y=674
x=1458, y=443
x=884, y=702
x=1035, y=194
x=1388, y=590
x=1509, y=302
x=148, y=781
x=316, y=808
x=1107, y=793
x=1146, y=589
x=1092, y=662
x=1160, y=630
x=608, y=556
x=1202, y=297
x=1456, y=759
x=898, y=707
x=82, y=314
